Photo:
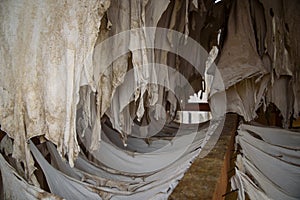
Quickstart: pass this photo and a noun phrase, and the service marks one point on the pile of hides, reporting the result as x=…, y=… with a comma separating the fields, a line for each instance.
x=59, y=85
x=52, y=78
x=139, y=171
x=268, y=166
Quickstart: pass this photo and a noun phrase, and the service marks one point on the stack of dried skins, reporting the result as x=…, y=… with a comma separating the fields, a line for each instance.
x=268, y=166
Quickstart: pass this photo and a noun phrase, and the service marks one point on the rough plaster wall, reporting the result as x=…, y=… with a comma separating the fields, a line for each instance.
x=46, y=54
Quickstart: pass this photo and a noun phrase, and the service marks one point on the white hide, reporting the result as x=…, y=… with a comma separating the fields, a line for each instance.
x=46, y=56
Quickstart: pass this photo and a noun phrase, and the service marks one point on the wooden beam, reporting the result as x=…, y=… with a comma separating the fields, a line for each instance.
x=196, y=107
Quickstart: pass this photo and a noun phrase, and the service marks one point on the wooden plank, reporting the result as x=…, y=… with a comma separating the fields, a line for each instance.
x=207, y=178
x=196, y=107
